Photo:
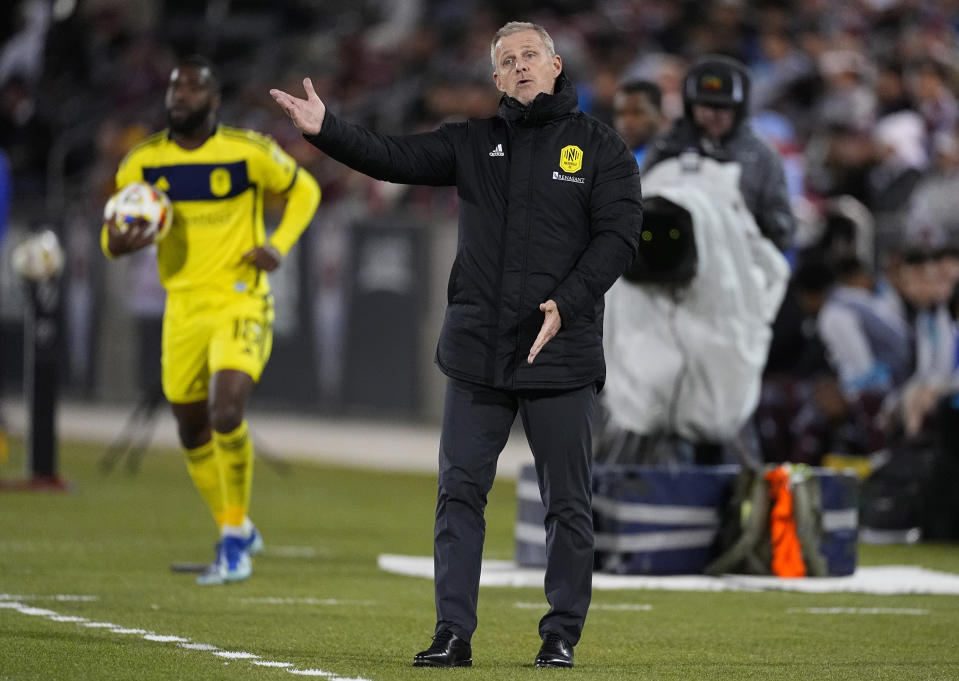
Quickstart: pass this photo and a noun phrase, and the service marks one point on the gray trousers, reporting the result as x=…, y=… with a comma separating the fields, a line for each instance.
x=476, y=426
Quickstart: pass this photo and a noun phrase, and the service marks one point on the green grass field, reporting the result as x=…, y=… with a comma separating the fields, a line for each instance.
x=318, y=601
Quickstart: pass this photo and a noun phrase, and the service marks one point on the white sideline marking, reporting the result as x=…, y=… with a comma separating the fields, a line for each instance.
x=859, y=611
x=277, y=600
x=236, y=655
x=182, y=642
x=595, y=606
x=120, y=630
x=40, y=612
x=642, y=607
x=309, y=672
x=884, y=579
x=270, y=663
x=53, y=597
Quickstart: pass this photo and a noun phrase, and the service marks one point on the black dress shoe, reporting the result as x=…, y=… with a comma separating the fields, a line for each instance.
x=448, y=650
x=555, y=652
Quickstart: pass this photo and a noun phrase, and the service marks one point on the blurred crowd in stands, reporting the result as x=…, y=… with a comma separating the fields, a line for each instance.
x=858, y=97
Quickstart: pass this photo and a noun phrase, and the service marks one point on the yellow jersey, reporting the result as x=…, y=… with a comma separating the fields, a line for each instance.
x=217, y=193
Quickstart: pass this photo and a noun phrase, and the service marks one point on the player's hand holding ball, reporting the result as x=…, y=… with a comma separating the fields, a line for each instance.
x=137, y=216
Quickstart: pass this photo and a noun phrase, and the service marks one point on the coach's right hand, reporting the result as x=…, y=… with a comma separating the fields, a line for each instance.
x=307, y=114
x=133, y=238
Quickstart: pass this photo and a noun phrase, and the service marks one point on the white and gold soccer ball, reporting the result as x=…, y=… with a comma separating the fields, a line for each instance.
x=39, y=257
x=141, y=201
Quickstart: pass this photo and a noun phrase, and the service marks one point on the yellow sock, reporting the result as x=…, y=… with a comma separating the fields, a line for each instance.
x=236, y=454
x=204, y=467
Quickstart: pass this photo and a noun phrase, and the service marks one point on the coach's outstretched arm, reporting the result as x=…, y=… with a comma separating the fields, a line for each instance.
x=424, y=158
x=307, y=114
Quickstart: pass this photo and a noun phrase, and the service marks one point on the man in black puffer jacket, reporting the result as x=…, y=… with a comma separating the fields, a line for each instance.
x=549, y=217
x=715, y=107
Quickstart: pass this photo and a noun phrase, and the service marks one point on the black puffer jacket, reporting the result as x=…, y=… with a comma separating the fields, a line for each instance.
x=549, y=208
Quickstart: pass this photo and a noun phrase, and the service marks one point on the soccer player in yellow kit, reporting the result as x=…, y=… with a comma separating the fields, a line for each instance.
x=217, y=325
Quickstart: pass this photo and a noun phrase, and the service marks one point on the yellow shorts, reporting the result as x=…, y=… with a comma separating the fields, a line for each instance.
x=206, y=332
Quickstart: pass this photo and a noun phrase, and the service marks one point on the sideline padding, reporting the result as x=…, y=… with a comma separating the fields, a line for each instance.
x=663, y=520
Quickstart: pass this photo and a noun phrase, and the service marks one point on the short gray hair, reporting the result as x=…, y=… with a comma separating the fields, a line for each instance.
x=517, y=27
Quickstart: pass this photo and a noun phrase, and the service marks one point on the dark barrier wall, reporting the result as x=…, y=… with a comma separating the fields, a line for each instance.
x=290, y=375
x=386, y=289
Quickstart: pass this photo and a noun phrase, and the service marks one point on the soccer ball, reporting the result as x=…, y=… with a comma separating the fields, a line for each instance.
x=141, y=201
x=39, y=257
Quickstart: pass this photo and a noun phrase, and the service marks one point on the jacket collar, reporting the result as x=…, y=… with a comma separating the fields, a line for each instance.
x=542, y=109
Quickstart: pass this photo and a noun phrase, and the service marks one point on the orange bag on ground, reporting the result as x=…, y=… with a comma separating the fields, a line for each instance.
x=787, y=558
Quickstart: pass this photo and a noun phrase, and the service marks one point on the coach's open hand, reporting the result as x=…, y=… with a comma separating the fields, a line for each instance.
x=550, y=328
x=307, y=114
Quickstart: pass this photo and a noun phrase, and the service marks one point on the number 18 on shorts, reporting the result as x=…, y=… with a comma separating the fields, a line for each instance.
x=209, y=332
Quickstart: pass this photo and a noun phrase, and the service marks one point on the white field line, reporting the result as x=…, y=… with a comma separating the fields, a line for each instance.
x=858, y=611
x=181, y=641
x=236, y=655
x=131, y=632
x=312, y=672
x=270, y=663
x=41, y=612
x=49, y=597
x=277, y=600
x=198, y=646
x=643, y=607
x=296, y=551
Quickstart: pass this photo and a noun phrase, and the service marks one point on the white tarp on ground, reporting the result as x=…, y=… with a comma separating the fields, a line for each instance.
x=885, y=579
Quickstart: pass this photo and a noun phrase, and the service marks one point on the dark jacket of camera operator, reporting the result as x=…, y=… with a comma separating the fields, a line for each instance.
x=549, y=208
x=716, y=103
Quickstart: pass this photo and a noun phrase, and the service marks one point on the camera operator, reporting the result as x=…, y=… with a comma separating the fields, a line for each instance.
x=688, y=325
x=715, y=106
